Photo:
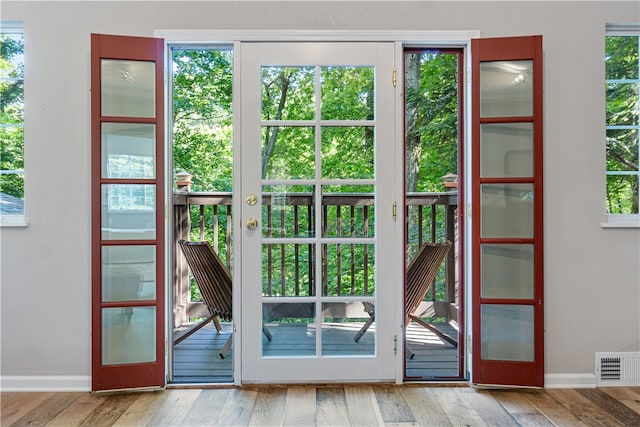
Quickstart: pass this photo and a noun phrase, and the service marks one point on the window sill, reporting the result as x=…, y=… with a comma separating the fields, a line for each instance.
x=13, y=221
x=621, y=221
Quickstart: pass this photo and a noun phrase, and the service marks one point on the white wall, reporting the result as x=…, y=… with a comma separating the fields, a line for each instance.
x=592, y=275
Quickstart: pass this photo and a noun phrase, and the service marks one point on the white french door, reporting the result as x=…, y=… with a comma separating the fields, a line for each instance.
x=317, y=219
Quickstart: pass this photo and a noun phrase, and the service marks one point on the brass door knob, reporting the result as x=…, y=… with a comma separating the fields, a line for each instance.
x=252, y=223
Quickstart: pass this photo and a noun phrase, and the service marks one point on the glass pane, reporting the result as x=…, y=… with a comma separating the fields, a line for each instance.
x=348, y=269
x=288, y=93
x=622, y=57
x=506, y=150
x=287, y=211
x=507, y=332
x=290, y=151
x=128, y=273
x=507, y=210
x=622, y=194
x=507, y=271
x=622, y=104
x=128, y=150
x=128, y=88
x=347, y=93
x=348, y=211
x=292, y=329
x=506, y=88
x=128, y=335
x=622, y=149
x=288, y=269
x=128, y=211
x=341, y=323
x=339, y=145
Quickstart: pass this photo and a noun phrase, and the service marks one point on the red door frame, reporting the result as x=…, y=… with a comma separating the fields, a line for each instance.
x=498, y=372
x=138, y=375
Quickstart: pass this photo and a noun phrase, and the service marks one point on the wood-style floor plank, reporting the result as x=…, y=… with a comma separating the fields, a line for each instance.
x=77, y=411
x=142, y=410
x=331, y=407
x=207, y=406
x=516, y=403
x=48, y=409
x=362, y=406
x=300, y=407
x=175, y=407
x=625, y=395
x=269, y=407
x=237, y=408
x=553, y=410
x=487, y=407
x=425, y=408
x=393, y=406
x=583, y=408
x=110, y=410
x=458, y=412
x=21, y=405
x=616, y=409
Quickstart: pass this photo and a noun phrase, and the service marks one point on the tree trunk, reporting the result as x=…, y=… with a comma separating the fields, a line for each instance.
x=271, y=133
x=412, y=141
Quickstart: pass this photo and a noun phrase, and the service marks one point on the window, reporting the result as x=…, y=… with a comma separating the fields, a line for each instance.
x=622, y=122
x=11, y=123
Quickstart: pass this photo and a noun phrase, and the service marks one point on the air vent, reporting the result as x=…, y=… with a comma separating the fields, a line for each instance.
x=618, y=369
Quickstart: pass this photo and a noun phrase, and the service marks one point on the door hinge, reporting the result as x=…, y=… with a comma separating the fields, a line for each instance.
x=395, y=344
x=394, y=74
x=394, y=210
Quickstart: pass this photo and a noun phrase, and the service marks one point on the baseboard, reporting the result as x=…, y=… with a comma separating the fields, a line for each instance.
x=45, y=383
x=570, y=381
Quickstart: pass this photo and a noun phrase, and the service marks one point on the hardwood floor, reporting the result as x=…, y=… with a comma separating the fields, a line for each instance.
x=357, y=405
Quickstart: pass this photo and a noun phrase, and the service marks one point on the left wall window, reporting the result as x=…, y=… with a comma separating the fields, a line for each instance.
x=12, y=123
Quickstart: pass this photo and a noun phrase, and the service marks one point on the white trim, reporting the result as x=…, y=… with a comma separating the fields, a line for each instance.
x=13, y=221
x=421, y=38
x=621, y=221
x=60, y=383
x=569, y=381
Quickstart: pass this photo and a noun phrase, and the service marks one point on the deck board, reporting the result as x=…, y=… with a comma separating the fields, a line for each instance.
x=197, y=360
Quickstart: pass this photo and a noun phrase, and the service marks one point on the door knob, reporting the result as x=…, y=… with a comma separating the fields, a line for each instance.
x=252, y=199
x=252, y=223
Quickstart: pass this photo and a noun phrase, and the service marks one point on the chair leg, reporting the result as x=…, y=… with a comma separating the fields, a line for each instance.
x=409, y=353
x=267, y=333
x=435, y=330
x=226, y=347
x=362, y=330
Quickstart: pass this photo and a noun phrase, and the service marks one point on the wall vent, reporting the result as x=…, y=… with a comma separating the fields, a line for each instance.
x=617, y=369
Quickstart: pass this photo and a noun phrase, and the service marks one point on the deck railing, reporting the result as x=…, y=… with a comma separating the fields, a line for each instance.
x=429, y=217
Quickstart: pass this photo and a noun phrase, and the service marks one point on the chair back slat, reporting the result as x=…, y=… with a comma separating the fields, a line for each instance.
x=211, y=276
x=422, y=271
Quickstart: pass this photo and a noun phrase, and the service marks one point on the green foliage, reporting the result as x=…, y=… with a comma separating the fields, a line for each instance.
x=11, y=114
x=623, y=149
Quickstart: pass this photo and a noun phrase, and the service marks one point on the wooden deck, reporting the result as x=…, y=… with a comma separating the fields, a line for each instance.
x=197, y=360
x=366, y=405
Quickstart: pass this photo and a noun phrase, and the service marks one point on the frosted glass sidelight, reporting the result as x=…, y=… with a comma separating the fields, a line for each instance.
x=506, y=150
x=507, y=271
x=128, y=335
x=128, y=150
x=128, y=273
x=506, y=89
x=506, y=210
x=341, y=321
x=507, y=332
x=128, y=211
x=128, y=88
x=292, y=326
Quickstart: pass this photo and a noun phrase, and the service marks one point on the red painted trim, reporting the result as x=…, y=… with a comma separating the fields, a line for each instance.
x=493, y=371
x=107, y=377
